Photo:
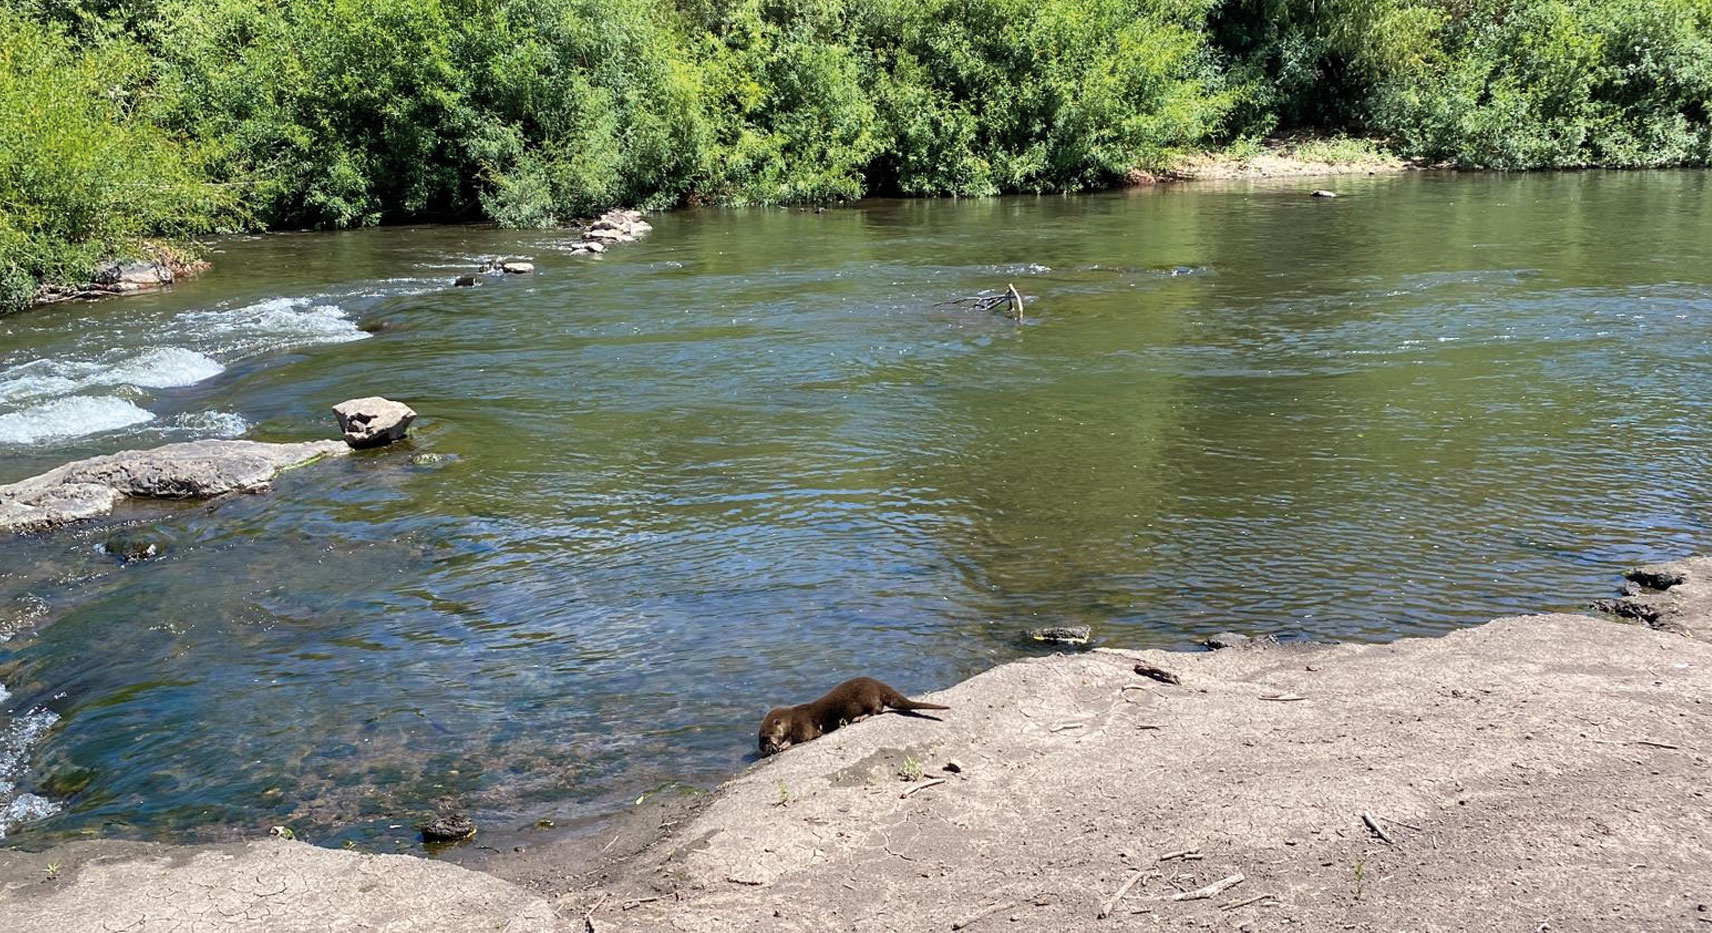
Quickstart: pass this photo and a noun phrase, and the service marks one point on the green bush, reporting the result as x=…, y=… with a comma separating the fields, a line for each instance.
x=84, y=175
x=127, y=119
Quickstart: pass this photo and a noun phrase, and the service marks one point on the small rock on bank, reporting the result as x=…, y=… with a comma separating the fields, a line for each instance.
x=373, y=421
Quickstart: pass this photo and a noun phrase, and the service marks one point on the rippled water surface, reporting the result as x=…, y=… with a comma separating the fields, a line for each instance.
x=654, y=493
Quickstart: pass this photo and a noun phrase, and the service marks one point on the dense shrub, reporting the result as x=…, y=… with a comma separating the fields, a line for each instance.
x=84, y=174
x=339, y=113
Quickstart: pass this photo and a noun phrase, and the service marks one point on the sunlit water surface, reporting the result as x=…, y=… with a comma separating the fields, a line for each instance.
x=653, y=493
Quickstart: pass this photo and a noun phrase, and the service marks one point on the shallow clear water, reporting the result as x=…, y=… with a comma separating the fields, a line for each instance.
x=753, y=454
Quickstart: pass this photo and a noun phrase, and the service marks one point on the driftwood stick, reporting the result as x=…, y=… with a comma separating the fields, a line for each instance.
x=1373, y=824
x=588, y=918
x=1157, y=673
x=1652, y=744
x=1016, y=300
x=1192, y=853
x=1244, y=903
x=1106, y=908
x=983, y=912
x=1211, y=890
x=1067, y=725
x=1282, y=697
x=922, y=786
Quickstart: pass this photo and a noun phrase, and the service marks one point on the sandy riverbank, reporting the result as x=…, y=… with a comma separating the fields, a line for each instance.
x=1534, y=773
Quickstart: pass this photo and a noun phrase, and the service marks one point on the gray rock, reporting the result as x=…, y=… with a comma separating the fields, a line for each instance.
x=517, y=268
x=1227, y=640
x=603, y=233
x=373, y=421
x=1062, y=634
x=448, y=827
x=1323, y=193
x=466, y=281
x=192, y=470
x=134, y=274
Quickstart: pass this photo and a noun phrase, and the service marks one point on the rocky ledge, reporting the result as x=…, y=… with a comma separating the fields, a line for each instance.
x=1532, y=773
x=191, y=470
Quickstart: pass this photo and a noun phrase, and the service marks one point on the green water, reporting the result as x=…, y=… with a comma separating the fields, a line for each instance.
x=753, y=454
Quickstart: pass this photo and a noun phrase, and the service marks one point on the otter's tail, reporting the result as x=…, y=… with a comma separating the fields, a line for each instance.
x=902, y=702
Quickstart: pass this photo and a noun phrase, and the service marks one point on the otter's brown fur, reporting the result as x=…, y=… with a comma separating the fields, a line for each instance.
x=851, y=700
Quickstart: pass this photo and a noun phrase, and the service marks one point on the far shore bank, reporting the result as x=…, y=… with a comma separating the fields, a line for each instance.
x=161, y=264
x=1534, y=772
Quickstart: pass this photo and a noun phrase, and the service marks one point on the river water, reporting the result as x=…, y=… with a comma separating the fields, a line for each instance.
x=652, y=494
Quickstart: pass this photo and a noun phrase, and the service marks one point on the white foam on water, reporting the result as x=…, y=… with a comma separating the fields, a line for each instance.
x=163, y=368
x=17, y=738
x=210, y=423
x=69, y=416
x=274, y=324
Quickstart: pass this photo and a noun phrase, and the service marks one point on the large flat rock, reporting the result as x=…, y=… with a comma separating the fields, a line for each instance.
x=191, y=470
x=271, y=885
x=1533, y=773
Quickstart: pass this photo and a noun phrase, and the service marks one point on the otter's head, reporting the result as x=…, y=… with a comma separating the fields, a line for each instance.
x=775, y=731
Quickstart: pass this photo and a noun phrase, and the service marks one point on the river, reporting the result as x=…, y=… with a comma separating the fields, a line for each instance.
x=755, y=453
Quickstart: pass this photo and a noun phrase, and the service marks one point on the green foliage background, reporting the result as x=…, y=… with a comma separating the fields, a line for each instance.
x=122, y=120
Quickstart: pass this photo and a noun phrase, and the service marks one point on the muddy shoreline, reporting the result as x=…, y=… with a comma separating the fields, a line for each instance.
x=1535, y=772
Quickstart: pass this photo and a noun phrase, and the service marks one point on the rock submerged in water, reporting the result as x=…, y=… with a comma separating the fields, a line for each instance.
x=516, y=267
x=466, y=281
x=191, y=470
x=448, y=827
x=373, y=421
x=1323, y=193
x=1062, y=634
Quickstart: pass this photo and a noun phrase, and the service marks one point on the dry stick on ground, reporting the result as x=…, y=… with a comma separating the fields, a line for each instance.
x=1193, y=853
x=1106, y=908
x=983, y=912
x=1653, y=744
x=1067, y=725
x=1283, y=697
x=922, y=786
x=1373, y=824
x=1157, y=673
x=1217, y=887
x=1244, y=903
x=588, y=918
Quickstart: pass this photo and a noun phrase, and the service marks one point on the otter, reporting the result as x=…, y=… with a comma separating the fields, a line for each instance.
x=846, y=703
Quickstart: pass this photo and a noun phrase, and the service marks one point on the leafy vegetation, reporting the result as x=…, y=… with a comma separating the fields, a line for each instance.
x=122, y=120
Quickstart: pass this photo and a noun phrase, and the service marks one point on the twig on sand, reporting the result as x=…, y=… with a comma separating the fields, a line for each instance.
x=983, y=912
x=1211, y=890
x=1373, y=824
x=1282, y=697
x=634, y=903
x=1106, y=908
x=588, y=918
x=1191, y=854
x=922, y=786
x=1157, y=673
x=1067, y=725
x=1150, y=725
x=1244, y=903
x=1652, y=744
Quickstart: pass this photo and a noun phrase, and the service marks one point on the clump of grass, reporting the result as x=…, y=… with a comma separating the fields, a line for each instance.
x=784, y=795
x=910, y=770
x=1339, y=150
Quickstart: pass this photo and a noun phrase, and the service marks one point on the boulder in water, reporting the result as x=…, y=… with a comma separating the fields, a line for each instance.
x=1062, y=634
x=373, y=421
x=192, y=470
x=466, y=281
x=517, y=268
x=448, y=827
x=1323, y=193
